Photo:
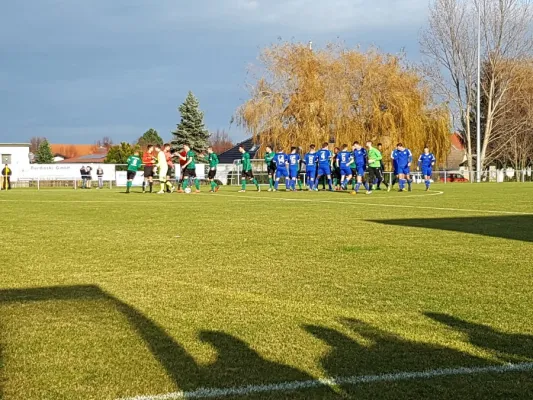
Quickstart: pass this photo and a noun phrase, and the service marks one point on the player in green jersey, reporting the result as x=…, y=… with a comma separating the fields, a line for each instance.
x=189, y=168
x=134, y=164
x=212, y=159
x=271, y=167
x=247, y=172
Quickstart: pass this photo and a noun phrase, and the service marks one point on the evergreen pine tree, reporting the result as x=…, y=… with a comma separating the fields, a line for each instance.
x=44, y=153
x=191, y=128
x=151, y=136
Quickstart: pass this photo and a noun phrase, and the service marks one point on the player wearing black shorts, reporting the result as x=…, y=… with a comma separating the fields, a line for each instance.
x=149, y=161
x=271, y=167
x=212, y=159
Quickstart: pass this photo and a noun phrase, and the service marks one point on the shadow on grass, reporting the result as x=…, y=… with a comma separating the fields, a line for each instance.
x=508, y=347
x=236, y=364
x=516, y=227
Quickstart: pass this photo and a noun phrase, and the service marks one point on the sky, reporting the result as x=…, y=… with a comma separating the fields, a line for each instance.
x=75, y=71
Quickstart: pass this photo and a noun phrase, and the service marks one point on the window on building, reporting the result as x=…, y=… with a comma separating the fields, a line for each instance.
x=6, y=159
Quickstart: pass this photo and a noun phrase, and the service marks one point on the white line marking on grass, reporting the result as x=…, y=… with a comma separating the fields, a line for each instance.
x=384, y=205
x=204, y=393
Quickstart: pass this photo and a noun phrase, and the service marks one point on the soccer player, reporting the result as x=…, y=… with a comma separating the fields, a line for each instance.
x=404, y=158
x=381, y=178
x=310, y=161
x=162, y=168
x=271, y=167
x=374, y=163
x=324, y=164
x=344, y=162
x=134, y=164
x=426, y=162
x=170, y=163
x=212, y=159
x=149, y=161
x=335, y=170
x=247, y=172
x=394, y=157
x=360, y=159
x=189, y=168
x=282, y=169
x=294, y=167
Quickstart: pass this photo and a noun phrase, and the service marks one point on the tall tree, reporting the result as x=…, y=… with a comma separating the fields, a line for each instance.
x=35, y=142
x=44, y=153
x=151, y=136
x=191, y=128
x=220, y=141
x=119, y=154
x=301, y=96
x=450, y=46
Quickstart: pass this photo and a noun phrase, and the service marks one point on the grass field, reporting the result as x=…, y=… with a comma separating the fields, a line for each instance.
x=105, y=295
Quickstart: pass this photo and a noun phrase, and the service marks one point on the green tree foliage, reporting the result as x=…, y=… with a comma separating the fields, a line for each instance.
x=44, y=153
x=151, y=136
x=119, y=154
x=191, y=128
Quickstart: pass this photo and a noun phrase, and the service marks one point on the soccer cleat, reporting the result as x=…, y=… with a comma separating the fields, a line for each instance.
x=388, y=188
x=161, y=192
x=196, y=191
x=427, y=189
x=242, y=191
x=144, y=191
x=259, y=189
x=172, y=189
x=369, y=192
x=400, y=190
x=211, y=191
x=216, y=189
x=270, y=189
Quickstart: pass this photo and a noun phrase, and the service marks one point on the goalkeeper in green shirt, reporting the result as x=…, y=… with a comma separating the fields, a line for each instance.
x=374, y=165
x=212, y=159
x=134, y=164
x=271, y=167
x=247, y=172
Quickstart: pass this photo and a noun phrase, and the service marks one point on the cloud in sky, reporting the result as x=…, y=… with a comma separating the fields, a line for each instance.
x=77, y=70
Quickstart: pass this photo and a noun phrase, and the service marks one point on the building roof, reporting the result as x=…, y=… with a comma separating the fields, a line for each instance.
x=86, y=159
x=15, y=145
x=73, y=150
x=457, y=141
x=229, y=156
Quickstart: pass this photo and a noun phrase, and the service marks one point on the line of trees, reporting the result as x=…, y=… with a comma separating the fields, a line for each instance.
x=450, y=45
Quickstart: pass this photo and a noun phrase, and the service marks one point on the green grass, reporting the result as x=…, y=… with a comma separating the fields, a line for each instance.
x=99, y=298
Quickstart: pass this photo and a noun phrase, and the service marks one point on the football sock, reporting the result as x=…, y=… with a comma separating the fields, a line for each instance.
x=144, y=186
x=185, y=183
x=402, y=184
x=300, y=184
x=329, y=184
x=243, y=185
x=409, y=183
x=270, y=183
x=151, y=186
x=428, y=183
x=197, y=184
x=357, y=186
x=128, y=185
x=367, y=186
x=255, y=183
x=276, y=185
x=394, y=181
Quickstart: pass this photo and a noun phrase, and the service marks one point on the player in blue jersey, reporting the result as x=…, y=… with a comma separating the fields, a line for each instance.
x=282, y=168
x=344, y=164
x=404, y=158
x=324, y=164
x=294, y=167
x=310, y=160
x=426, y=162
x=360, y=161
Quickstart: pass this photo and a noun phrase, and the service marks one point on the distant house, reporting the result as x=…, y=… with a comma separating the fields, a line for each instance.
x=229, y=156
x=97, y=158
x=73, y=150
x=457, y=155
x=59, y=157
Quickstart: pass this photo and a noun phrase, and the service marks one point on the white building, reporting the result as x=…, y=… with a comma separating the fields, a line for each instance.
x=16, y=155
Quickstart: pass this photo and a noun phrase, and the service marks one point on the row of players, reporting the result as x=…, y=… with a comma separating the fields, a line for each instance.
x=339, y=168
x=342, y=167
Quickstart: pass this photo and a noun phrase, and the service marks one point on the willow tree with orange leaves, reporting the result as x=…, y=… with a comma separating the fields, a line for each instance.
x=301, y=96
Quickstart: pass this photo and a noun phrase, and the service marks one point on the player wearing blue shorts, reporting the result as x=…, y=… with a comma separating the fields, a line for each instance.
x=360, y=160
x=344, y=163
x=404, y=157
x=294, y=166
x=310, y=160
x=426, y=162
x=324, y=164
x=282, y=168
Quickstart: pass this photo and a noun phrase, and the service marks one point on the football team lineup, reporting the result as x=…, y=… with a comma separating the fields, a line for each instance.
x=338, y=168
